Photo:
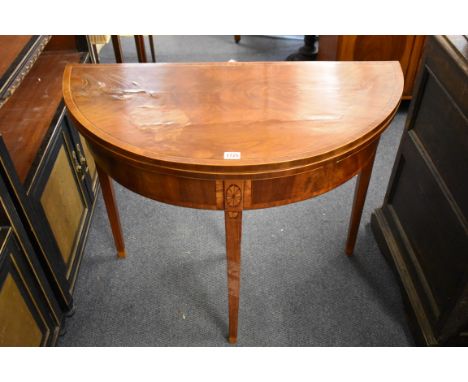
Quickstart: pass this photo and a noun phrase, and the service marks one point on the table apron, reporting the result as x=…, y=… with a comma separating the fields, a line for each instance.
x=208, y=193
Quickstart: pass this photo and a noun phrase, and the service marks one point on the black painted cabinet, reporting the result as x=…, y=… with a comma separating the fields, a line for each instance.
x=29, y=313
x=60, y=192
x=49, y=176
x=422, y=226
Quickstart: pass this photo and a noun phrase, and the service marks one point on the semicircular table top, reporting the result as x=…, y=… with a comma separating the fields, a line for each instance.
x=271, y=113
x=233, y=136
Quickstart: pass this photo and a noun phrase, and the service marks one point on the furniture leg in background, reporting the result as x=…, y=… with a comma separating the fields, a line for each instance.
x=140, y=47
x=306, y=53
x=117, y=48
x=153, y=52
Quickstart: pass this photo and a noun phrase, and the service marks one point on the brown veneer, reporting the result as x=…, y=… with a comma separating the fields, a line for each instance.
x=301, y=129
x=27, y=115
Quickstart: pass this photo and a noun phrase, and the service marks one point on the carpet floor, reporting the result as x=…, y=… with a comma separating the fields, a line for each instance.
x=297, y=286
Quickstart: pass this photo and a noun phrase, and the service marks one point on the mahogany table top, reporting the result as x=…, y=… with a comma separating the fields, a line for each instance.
x=274, y=114
x=295, y=129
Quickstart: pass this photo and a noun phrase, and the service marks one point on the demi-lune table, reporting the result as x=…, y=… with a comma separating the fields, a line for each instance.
x=233, y=136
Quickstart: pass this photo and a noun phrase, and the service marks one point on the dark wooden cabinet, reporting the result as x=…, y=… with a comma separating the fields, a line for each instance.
x=405, y=49
x=46, y=166
x=29, y=313
x=422, y=226
x=60, y=190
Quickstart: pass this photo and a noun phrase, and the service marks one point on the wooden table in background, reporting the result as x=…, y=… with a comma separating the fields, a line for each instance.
x=233, y=136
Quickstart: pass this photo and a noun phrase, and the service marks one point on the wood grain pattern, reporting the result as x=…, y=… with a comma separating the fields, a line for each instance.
x=26, y=116
x=10, y=48
x=278, y=115
x=300, y=129
x=406, y=49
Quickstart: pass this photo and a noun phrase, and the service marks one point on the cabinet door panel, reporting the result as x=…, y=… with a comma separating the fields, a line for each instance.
x=63, y=205
x=23, y=320
x=17, y=323
x=437, y=237
x=61, y=199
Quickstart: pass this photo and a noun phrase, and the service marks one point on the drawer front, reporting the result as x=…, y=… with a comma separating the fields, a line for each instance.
x=436, y=235
x=441, y=124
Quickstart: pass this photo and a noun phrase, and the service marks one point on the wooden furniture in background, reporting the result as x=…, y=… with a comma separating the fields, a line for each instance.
x=140, y=48
x=117, y=46
x=307, y=52
x=233, y=136
x=422, y=226
x=44, y=163
x=405, y=49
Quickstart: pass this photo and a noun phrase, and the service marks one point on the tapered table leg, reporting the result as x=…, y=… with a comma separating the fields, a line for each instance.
x=360, y=192
x=233, y=244
x=233, y=221
x=112, y=212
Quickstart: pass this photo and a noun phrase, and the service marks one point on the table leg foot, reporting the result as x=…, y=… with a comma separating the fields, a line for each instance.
x=112, y=212
x=360, y=192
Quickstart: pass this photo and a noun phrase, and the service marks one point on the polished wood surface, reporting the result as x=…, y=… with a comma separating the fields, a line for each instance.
x=406, y=49
x=295, y=130
x=26, y=116
x=10, y=48
x=277, y=115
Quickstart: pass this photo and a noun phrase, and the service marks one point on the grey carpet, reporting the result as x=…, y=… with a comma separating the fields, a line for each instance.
x=297, y=286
